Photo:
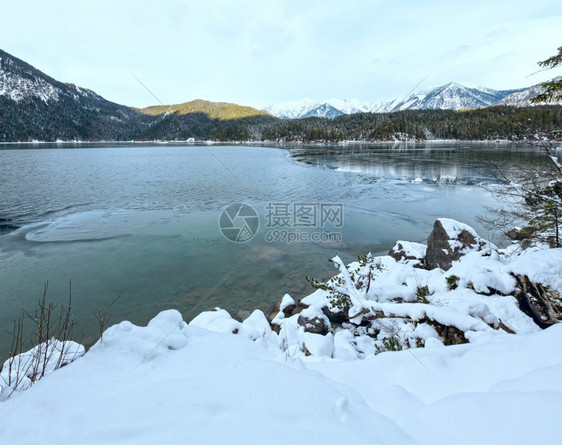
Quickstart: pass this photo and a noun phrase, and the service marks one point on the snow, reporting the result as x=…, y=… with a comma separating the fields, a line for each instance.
x=170, y=381
x=20, y=82
x=292, y=109
x=454, y=228
x=215, y=388
x=410, y=249
x=18, y=88
x=20, y=371
x=285, y=302
x=541, y=266
x=306, y=107
x=554, y=159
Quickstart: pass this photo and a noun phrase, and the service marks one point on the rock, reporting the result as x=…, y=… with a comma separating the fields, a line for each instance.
x=299, y=308
x=526, y=237
x=542, y=304
x=336, y=316
x=406, y=252
x=516, y=234
x=449, y=240
x=286, y=305
x=239, y=315
x=315, y=325
x=450, y=335
x=267, y=254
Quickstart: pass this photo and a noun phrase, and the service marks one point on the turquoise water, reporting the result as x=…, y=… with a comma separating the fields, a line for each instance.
x=142, y=222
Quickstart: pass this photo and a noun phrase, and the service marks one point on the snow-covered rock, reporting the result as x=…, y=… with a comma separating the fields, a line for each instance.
x=407, y=251
x=449, y=240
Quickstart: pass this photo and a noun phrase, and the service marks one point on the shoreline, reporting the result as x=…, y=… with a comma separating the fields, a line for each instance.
x=274, y=143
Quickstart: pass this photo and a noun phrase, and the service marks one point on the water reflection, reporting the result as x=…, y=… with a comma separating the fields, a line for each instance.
x=438, y=163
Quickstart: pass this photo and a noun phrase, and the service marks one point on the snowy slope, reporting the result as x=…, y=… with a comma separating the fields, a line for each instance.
x=17, y=87
x=522, y=97
x=20, y=81
x=329, y=108
x=33, y=105
x=323, y=110
x=451, y=97
x=292, y=109
x=351, y=106
x=170, y=383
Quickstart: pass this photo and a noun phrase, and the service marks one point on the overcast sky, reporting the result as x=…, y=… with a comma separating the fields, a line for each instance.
x=262, y=52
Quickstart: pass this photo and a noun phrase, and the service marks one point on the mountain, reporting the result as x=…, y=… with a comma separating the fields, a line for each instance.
x=324, y=110
x=292, y=109
x=310, y=108
x=451, y=96
x=522, y=97
x=214, y=110
x=36, y=106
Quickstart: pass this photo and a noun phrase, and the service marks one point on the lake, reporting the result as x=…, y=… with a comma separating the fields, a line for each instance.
x=141, y=221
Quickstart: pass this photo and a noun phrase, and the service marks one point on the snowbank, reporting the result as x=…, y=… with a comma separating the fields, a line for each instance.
x=170, y=382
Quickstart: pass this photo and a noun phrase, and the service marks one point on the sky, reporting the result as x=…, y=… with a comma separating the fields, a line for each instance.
x=259, y=53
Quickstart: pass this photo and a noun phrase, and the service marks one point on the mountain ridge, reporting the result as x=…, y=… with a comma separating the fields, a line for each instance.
x=35, y=106
x=451, y=96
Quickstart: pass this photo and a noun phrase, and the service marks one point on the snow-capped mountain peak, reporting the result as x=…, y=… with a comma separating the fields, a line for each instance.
x=451, y=96
x=292, y=109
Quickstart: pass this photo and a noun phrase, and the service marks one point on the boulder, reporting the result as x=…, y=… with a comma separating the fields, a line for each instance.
x=516, y=234
x=449, y=240
x=336, y=316
x=315, y=325
x=285, y=306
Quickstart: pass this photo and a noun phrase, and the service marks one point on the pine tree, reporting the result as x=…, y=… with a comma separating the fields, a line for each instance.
x=535, y=197
x=552, y=90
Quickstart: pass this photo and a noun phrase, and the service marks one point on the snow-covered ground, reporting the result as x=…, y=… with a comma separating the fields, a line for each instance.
x=169, y=383
x=219, y=380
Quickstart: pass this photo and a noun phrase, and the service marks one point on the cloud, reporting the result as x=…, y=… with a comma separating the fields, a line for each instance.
x=258, y=53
